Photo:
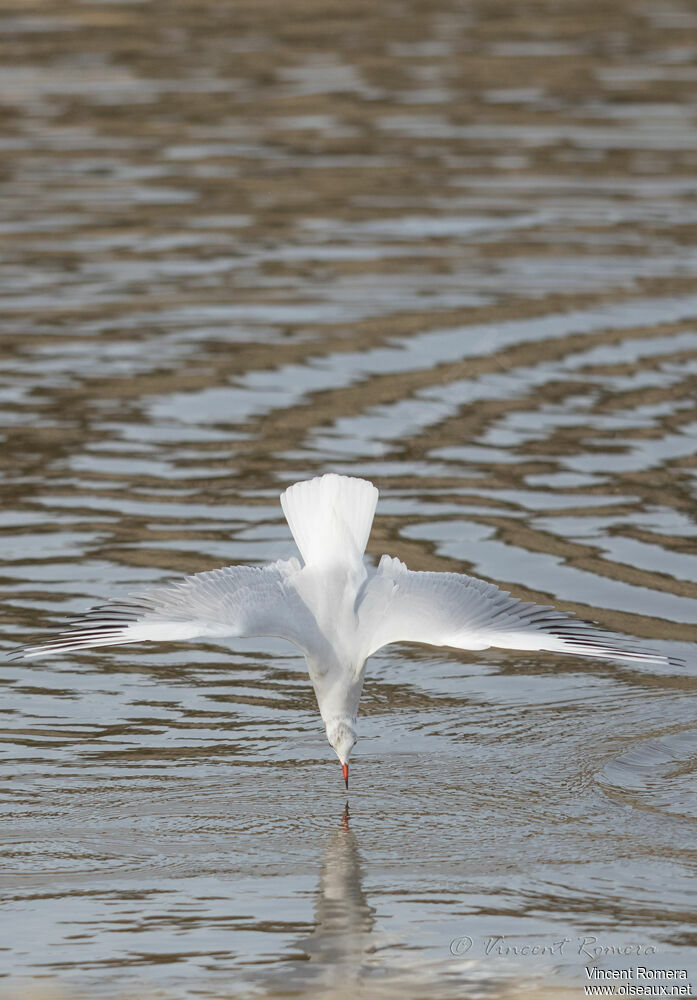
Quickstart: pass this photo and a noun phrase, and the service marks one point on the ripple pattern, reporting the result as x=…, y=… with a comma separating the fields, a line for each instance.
x=451, y=248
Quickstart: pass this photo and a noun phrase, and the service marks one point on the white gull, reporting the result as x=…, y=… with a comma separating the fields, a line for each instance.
x=337, y=610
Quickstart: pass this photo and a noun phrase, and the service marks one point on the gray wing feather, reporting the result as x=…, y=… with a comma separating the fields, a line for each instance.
x=235, y=601
x=452, y=609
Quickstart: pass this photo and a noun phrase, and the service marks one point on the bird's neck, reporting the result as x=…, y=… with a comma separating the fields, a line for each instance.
x=338, y=694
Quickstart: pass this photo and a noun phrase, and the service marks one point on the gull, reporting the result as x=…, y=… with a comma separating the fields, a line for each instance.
x=336, y=609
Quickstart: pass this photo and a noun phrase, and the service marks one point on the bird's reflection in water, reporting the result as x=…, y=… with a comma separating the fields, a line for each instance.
x=337, y=951
x=344, y=920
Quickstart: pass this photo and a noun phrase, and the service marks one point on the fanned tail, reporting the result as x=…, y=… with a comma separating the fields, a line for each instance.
x=330, y=517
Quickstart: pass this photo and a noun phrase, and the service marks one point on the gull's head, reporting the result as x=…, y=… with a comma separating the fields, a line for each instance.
x=342, y=738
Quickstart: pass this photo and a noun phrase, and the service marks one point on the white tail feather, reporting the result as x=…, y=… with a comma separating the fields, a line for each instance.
x=330, y=517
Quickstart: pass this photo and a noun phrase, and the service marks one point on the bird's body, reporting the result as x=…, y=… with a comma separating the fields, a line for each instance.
x=336, y=609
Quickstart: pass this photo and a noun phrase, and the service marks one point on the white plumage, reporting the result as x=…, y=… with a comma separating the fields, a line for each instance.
x=336, y=609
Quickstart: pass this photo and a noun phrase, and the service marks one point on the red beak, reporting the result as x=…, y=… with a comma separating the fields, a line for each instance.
x=344, y=768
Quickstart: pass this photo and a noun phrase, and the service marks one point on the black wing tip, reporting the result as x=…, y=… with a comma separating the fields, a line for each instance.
x=31, y=652
x=76, y=638
x=592, y=637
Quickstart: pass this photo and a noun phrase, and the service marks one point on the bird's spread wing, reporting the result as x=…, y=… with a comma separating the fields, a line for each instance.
x=452, y=609
x=234, y=601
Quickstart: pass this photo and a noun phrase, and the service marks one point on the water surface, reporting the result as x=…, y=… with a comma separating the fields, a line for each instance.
x=451, y=249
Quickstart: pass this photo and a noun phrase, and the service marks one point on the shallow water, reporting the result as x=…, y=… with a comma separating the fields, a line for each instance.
x=452, y=249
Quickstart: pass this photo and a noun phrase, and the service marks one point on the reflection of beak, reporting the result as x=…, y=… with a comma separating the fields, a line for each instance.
x=344, y=768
